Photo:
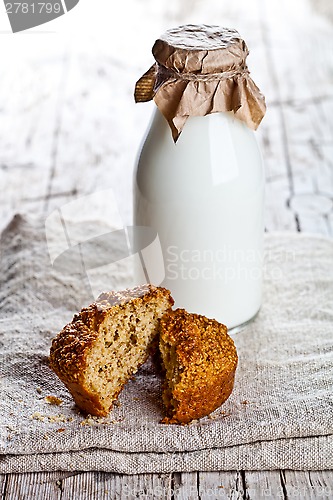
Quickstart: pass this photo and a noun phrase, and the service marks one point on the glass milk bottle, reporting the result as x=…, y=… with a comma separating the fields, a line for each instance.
x=199, y=182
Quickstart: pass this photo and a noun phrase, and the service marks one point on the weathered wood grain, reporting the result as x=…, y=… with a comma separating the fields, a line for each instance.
x=69, y=127
x=185, y=485
x=224, y=485
x=37, y=485
x=263, y=484
x=29, y=113
x=100, y=485
x=303, y=124
x=309, y=485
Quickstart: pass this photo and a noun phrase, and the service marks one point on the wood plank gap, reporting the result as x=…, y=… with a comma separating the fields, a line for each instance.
x=4, y=486
x=58, y=122
x=71, y=193
x=310, y=480
x=172, y=486
x=241, y=475
x=298, y=224
x=328, y=224
x=283, y=484
x=59, y=485
x=185, y=486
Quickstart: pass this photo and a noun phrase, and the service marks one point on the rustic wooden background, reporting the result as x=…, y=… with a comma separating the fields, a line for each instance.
x=69, y=127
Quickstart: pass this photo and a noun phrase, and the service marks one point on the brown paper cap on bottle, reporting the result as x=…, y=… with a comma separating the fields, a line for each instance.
x=201, y=69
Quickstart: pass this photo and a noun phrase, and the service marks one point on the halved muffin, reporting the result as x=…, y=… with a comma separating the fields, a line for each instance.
x=199, y=360
x=105, y=344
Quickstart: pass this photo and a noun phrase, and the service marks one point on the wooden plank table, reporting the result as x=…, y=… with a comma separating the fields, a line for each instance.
x=69, y=127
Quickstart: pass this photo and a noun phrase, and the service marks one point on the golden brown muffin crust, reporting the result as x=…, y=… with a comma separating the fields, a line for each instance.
x=202, y=361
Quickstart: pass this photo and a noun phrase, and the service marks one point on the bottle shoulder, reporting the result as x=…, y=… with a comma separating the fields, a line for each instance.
x=213, y=151
x=201, y=136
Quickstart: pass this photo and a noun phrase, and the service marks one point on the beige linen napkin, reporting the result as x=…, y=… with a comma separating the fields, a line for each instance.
x=280, y=414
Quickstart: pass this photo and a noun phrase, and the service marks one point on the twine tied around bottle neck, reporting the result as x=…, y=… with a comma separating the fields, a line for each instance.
x=167, y=73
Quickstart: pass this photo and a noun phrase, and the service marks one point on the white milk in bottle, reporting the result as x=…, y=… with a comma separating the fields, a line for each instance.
x=199, y=182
